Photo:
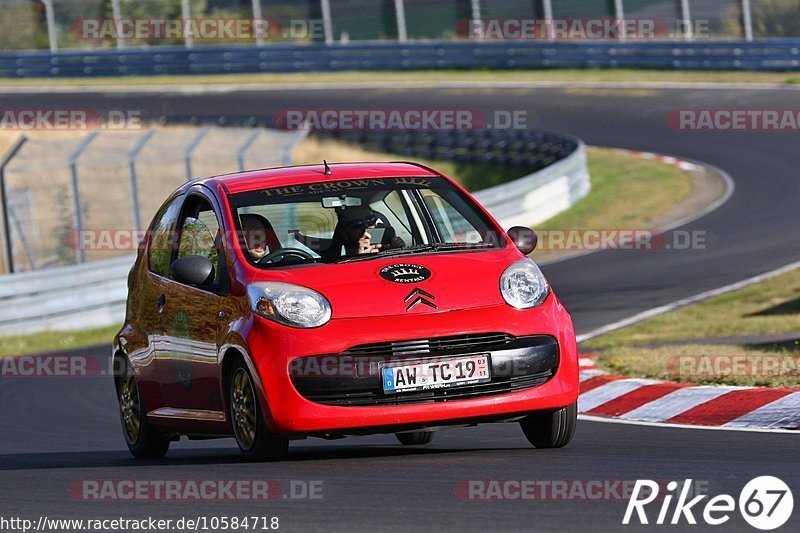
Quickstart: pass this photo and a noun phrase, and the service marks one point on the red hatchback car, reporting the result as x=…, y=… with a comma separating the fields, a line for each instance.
x=337, y=300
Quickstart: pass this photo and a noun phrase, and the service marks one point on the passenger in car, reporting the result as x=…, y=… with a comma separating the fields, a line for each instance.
x=259, y=235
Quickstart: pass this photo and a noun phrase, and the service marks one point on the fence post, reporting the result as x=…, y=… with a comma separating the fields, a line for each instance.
x=688, y=25
x=76, y=195
x=4, y=201
x=258, y=22
x=301, y=134
x=134, y=180
x=117, y=12
x=186, y=14
x=187, y=155
x=747, y=19
x=400, y=13
x=327, y=23
x=52, y=36
x=475, y=20
x=246, y=146
x=619, y=14
x=548, y=19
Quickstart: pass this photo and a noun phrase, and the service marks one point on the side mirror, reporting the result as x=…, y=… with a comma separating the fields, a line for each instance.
x=523, y=238
x=192, y=270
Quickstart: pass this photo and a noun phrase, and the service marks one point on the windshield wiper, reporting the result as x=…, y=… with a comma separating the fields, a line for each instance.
x=420, y=248
x=389, y=253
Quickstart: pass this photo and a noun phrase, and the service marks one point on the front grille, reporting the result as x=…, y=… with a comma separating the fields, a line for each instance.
x=453, y=345
x=433, y=396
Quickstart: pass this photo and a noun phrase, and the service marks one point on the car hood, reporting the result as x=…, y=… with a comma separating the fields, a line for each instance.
x=424, y=283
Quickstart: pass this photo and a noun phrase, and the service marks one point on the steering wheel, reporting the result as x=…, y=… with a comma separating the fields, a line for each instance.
x=281, y=253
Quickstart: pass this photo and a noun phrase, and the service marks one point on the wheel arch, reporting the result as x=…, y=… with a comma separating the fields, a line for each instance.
x=231, y=354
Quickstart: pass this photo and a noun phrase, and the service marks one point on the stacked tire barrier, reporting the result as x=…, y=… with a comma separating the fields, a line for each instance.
x=764, y=55
x=531, y=150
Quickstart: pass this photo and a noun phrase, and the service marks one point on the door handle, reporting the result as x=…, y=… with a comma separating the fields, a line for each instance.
x=161, y=301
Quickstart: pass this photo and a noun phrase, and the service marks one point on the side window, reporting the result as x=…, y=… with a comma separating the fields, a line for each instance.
x=198, y=232
x=452, y=225
x=392, y=207
x=162, y=239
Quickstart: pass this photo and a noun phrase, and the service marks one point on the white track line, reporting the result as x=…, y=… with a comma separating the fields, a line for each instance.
x=591, y=418
x=686, y=301
x=780, y=413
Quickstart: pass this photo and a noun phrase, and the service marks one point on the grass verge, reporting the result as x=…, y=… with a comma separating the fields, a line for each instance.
x=52, y=341
x=704, y=336
x=538, y=75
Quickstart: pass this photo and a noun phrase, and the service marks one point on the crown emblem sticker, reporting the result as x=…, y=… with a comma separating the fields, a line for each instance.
x=405, y=273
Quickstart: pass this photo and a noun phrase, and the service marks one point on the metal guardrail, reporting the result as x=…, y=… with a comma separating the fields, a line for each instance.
x=534, y=198
x=766, y=55
x=65, y=298
x=94, y=294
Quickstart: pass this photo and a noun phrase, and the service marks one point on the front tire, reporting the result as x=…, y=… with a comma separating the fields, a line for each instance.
x=254, y=438
x=551, y=430
x=143, y=441
x=414, y=438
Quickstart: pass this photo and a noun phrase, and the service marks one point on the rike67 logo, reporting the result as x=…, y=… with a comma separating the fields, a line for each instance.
x=765, y=503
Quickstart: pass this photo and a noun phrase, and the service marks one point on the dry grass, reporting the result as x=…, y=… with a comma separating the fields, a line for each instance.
x=772, y=306
x=708, y=364
x=538, y=75
x=769, y=307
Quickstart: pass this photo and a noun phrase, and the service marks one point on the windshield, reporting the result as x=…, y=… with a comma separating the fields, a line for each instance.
x=359, y=219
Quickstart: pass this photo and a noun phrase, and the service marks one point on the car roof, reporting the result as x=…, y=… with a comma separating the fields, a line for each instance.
x=299, y=175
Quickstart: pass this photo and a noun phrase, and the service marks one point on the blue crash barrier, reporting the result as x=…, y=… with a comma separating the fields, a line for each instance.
x=762, y=55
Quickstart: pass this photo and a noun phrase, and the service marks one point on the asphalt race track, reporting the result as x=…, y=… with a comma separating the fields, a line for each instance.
x=59, y=431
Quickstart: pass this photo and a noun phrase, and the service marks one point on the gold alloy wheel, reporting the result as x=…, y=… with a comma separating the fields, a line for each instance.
x=129, y=404
x=243, y=409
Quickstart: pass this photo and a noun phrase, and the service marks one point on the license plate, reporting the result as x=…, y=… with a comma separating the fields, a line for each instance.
x=437, y=373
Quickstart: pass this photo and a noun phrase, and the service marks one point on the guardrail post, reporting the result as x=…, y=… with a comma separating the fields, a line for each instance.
x=245, y=147
x=327, y=22
x=186, y=14
x=4, y=202
x=134, y=181
x=187, y=155
x=747, y=20
x=400, y=13
x=619, y=14
x=52, y=36
x=76, y=195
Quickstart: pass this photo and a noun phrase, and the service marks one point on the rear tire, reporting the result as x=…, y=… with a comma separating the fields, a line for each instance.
x=551, y=430
x=254, y=438
x=143, y=441
x=414, y=438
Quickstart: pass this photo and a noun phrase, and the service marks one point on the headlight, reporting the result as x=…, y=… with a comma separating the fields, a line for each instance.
x=289, y=304
x=523, y=285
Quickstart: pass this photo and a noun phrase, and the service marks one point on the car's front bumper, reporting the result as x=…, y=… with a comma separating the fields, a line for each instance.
x=538, y=371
